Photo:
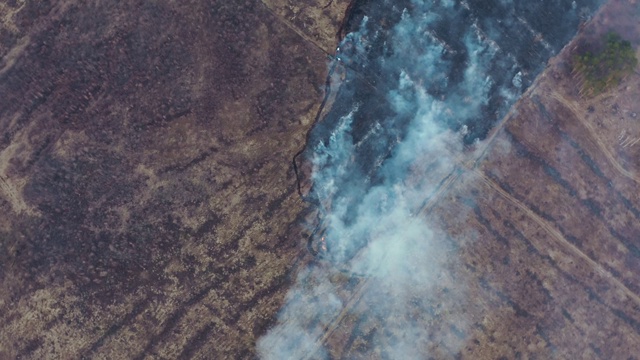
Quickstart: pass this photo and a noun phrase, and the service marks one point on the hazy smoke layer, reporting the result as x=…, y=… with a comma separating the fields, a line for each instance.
x=412, y=94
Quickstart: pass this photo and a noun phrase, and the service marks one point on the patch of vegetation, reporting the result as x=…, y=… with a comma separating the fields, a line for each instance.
x=598, y=72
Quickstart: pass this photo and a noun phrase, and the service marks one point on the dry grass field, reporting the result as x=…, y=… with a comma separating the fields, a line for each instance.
x=148, y=204
x=149, y=207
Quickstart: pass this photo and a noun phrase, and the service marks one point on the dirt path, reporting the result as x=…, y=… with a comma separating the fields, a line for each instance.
x=551, y=230
x=572, y=106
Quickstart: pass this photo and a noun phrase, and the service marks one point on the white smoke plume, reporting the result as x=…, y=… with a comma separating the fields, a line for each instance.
x=373, y=227
x=396, y=250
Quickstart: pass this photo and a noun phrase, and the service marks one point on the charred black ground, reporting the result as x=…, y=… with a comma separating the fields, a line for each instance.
x=524, y=35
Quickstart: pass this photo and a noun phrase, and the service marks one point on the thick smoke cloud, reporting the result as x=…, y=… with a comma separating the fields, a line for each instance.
x=370, y=212
x=381, y=238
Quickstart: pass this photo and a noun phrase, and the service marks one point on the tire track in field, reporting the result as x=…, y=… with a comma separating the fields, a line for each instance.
x=571, y=106
x=558, y=236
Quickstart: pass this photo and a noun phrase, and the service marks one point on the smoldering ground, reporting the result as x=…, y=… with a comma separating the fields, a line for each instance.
x=373, y=172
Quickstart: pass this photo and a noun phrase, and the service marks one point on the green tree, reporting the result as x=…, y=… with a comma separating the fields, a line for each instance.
x=599, y=71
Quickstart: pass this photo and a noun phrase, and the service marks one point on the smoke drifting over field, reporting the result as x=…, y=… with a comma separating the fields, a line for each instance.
x=380, y=154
